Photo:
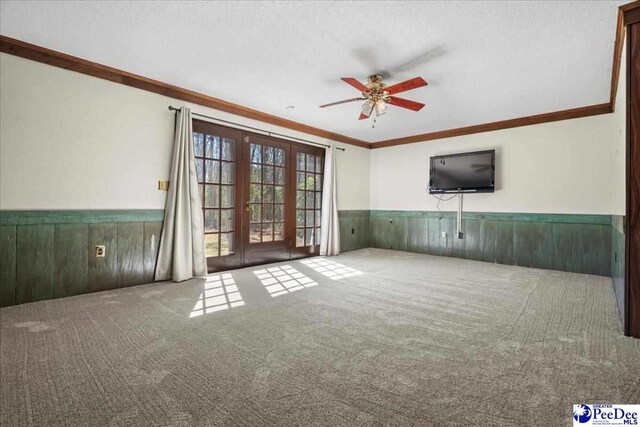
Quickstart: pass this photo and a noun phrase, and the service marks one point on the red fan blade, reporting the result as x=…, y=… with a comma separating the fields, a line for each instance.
x=405, y=103
x=342, y=102
x=353, y=82
x=406, y=85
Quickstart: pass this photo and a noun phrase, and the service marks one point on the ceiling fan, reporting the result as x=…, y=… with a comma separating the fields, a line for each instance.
x=378, y=96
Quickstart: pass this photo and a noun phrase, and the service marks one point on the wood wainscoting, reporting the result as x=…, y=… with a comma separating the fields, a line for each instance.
x=51, y=254
x=354, y=229
x=564, y=242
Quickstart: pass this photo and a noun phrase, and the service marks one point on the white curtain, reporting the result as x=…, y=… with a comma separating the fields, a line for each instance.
x=330, y=229
x=181, y=255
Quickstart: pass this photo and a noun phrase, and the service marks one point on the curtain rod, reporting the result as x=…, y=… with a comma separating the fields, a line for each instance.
x=269, y=133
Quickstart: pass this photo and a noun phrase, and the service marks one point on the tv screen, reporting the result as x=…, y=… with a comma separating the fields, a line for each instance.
x=463, y=173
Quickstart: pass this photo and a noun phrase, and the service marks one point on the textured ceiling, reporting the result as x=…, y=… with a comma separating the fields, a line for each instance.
x=484, y=61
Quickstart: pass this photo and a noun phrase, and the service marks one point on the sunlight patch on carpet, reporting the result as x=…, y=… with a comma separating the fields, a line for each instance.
x=220, y=293
x=330, y=269
x=283, y=280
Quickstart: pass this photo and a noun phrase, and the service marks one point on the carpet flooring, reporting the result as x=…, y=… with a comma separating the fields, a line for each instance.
x=371, y=337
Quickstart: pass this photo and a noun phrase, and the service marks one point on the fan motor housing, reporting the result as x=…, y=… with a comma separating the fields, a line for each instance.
x=375, y=88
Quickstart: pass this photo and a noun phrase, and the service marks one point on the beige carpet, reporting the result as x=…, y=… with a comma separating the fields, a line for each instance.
x=395, y=338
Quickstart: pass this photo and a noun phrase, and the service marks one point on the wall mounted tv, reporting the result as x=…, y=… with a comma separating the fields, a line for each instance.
x=463, y=173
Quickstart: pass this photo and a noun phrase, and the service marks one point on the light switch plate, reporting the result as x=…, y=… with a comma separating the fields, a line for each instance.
x=163, y=185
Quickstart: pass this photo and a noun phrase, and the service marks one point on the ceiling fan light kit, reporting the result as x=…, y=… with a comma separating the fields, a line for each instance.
x=377, y=96
x=367, y=107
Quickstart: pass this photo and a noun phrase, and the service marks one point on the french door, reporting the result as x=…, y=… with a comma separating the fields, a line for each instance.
x=219, y=169
x=265, y=218
x=261, y=196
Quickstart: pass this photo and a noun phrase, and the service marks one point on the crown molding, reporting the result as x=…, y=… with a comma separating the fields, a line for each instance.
x=72, y=63
x=573, y=113
x=627, y=14
x=617, y=57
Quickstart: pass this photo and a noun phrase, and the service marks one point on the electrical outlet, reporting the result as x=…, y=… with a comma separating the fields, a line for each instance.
x=444, y=235
x=163, y=185
x=100, y=251
x=353, y=231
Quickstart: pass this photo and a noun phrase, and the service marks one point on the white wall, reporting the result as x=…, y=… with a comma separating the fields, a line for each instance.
x=560, y=167
x=573, y=166
x=353, y=177
x=71, y=141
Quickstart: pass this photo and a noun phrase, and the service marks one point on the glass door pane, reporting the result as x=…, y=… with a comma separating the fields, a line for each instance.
x=308, y=178
x=266, y=200
x=308, y=198
x=267, y=193
x=215, y=152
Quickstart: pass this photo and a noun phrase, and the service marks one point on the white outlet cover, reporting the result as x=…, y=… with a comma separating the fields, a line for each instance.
x=100, y=251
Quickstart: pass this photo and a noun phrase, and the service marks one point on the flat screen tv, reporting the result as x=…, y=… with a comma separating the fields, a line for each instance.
x=463, y=173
